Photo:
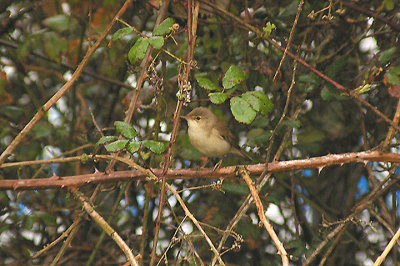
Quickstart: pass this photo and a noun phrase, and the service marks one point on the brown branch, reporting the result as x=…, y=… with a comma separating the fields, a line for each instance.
x=18, y=139
x=261, y=214
x=142, y=174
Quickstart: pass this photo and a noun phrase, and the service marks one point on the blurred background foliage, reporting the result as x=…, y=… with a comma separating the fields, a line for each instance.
x=41, y=43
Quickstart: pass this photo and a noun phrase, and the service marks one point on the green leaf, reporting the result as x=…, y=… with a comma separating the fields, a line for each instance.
x=309, y=78
x=217, y=97
x=242, y=110
x=138, y=51
x=122, y=33
x=291, y=123
x=12, y=113
x=387, y=55
x=42, y=130
x=206, y=83
x=392, y=78
x=252, y=100
x=48, y=219
x=133, y=147
x=232, y=77
x=157, y=42
x=238, y=189
x=258, y=136
x=125, y=129
x=155, y=146
x=329, y=93
x=116, y=145
x=395, y=70
x=164, y=27
x=388, y=4
x=60, y=22
x=265, y=103
x=54, y=45
x=105, y=139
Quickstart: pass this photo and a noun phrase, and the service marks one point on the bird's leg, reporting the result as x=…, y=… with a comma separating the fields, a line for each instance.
x=217, y=166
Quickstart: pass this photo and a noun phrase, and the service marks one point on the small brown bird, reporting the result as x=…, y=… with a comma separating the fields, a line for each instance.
x=210, y=135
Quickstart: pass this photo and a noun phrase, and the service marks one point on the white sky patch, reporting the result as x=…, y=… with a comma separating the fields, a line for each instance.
x=61, y=229
x=50, y=152
x=274, y=214
x=65, y=8
x=54, y=117
x=187, y=227
x=132, y=80
x=62, y=105
x=31, y=236
x=362, y=257
x=67, y=75
x=253, y=218
x=172, y=201
x=140, y=199
x=368, y=45
x=9, y=70
x=163, y=126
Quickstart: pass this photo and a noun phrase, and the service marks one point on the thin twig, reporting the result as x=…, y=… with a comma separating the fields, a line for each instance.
x=261, y=214
x=75, y=227
x=290, y=37
x=61, y=237
x=370, y=13
x=391, y=131
x=195, y=222
x=389, y=247
x=364, y=204
x=88, y=206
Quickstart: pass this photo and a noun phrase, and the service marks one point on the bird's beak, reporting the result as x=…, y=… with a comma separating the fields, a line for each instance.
x=184, y=117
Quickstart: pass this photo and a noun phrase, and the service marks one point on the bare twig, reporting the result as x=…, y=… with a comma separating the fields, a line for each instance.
x=61, y=237
x=75, y=227
x=370, y=13
x=87, y=205
x=261, y=214
x=391, y=131
x=383, y=186
x=195, y=222
x=380, y=259
x=290, y=37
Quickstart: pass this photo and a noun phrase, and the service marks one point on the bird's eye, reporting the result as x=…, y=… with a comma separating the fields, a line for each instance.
x=197, y=118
